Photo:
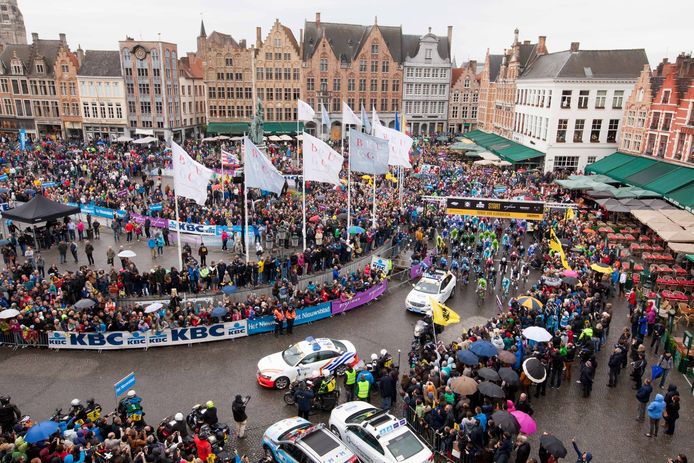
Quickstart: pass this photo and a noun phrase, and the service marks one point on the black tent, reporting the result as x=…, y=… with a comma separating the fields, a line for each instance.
x=40, y=209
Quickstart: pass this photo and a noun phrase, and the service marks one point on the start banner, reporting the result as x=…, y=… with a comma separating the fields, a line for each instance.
x=114, y=340
x=501, y=208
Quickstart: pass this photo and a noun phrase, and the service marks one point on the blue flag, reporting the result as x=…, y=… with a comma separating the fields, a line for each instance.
x=397, y=122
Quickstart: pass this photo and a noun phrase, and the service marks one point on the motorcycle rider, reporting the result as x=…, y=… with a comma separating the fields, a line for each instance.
x=130, y=408
x=77, y=411
x=327, y=383
x=210, y=413
x=179, y=425
x=92, y=410
x=9, y=414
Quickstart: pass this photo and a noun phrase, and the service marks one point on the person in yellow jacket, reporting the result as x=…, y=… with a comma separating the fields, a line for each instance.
x=362, y=389
x=350, y=381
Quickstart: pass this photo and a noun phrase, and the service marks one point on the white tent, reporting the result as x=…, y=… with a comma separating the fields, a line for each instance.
x=145, y=140
x=488, y=156
x=274, y=138
x=223, y=137
x=123, y=139
x=285, y=138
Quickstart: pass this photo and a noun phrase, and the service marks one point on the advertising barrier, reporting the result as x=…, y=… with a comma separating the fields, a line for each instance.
x=417, y=270
x=311, y=314
x=359, y=299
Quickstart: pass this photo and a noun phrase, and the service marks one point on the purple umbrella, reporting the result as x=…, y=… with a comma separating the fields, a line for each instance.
x=526, y=422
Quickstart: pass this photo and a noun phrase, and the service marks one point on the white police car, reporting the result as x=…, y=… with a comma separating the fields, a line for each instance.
x=296, y=440
x=375, y=435
x=438, y=284
x=300, y=360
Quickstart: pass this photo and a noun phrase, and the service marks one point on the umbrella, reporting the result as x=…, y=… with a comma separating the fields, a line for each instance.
x=219, y=311
x=463, y=385
x=488, y=374
x=526, y=422
x=467, y=358
x=353, y=230
x=553, y=445
x=601, y=268
x=342, y=215
x=534, y=370
x=570, y=280
x=553, y=282
x=570, y=273
x=506, y=421
x=529, y=303
x=41, y=431
x=153, y=307
x=127, y=253
x=537, y=333
x=507, y=357
x=509, y=376
x=229, y=289
x=314, y=219
x=85, y=304
x=483, y=348
x=491, y=390
x=8, y=313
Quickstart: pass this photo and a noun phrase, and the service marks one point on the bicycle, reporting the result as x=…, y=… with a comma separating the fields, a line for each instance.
x=481, y=292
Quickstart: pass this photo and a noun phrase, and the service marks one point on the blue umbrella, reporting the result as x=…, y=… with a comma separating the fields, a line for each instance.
x=219, y=311
x=353, y=230
x=41, y=431
x=229, y=289
x=467, y=357
x=483, y=349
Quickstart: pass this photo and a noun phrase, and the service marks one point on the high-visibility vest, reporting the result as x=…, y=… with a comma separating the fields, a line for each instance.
x=363, y=389
x=279, y=316
x=351, y=377
x=291, y=314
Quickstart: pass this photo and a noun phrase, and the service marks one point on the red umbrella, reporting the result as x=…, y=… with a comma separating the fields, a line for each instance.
x=314, y=219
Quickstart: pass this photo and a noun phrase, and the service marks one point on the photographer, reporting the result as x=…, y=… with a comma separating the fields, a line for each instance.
x=238, y=408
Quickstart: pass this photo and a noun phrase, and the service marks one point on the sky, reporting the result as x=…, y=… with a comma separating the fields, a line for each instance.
x=477, y=25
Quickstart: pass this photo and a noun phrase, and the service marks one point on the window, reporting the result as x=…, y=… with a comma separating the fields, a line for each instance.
x=600, y=98
x=667, y=120
x=374, y=85
x=374, y=48
x=595, y=131
x=85, y=110
x=385, y=66
x=336, y=84
x=119, y=111
x=384, y=104
x=591, y=159
x=350, y=102
x=617, y=99
x=561, y=130
x=287, y=73
x=362, y=85
x=690, y=121
x=473, y=115
x=295, y=74
x=278, y=42
x=466, y=97
x=40, y=69
x=16, y=68
x=350, y=84
x=566, y=98
x=427, y=53
x=384, y=85
x=278, y=74
x=583, y=99
x=565, y=162
x=374, y=66
x=310, y=85
x=454, y=112
x=612, y=128
x=464, y=112
x=456, y=97
x=475, y=97
x=626, y=142
x=271, y=113
x=655, y=120
x=145, y=107
x=396, y=85
x=650, y=144
x=466, y=84
x=666, y=96
x=362, y=65
x=662, y=146
x=631, y=118
x=323, y=64
x=286, y=56
x=579, y=125
x=323, y=84
x=268, y=73
x=336, y=105
x=395, y=104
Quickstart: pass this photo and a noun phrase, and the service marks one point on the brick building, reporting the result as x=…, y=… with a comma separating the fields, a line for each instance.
x=634, y=130
x=228, y=77
x=193, y=95
x=360, y=65
x=485, y=108
x=65, y=68
x=278, y=77
x=150, y=72
x=464, y=98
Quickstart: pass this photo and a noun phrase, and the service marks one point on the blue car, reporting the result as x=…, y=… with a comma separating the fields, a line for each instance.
x=296, y=440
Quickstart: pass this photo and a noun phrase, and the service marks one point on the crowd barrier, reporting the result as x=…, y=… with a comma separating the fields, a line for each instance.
x=115, y=340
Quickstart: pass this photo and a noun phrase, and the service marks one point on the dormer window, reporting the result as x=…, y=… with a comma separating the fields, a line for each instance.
x=427, y=53
x=16, y=68
x=40, y=68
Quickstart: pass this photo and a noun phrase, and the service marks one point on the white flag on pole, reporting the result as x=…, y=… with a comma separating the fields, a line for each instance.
x=325, y=117
x=368, y=154
x=305, y=112
x=348, y=116
x=399, y=145
x=374, y=117
x=259, y=171
x=321, y=162
x=190, y=177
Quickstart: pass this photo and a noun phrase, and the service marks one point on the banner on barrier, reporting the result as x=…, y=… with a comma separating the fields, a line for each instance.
x=136, y=340
x=382, y=264
x=311, y=314
x=359, y=299
x=418, y=269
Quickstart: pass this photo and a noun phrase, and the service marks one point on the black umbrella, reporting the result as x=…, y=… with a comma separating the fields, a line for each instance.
x=488, y=374
x=509, y=376
x=342, y=215
x=506, y=421
x=534, y=370
x=491, y=390
x=553, y=445
x=83, y=304
x=570, y=280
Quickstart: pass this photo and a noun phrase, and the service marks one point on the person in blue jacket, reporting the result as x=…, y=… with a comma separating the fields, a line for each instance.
x=655, y=413
x=581, y=457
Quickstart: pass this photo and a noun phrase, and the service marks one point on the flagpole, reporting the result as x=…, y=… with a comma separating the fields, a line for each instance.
x=245, y=208
x=178, y=233
x=349, y=180
x=373, y=216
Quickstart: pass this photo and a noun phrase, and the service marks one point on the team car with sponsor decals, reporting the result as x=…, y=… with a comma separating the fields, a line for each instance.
x=437, y=284
x=375, y=435
x=300, y=360
x=296, y=440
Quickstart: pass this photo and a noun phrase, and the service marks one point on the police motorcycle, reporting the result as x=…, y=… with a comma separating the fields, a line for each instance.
x=196, y=420
x=130, y=409
x=424, y=332
x=326, y=392
x=167, y=429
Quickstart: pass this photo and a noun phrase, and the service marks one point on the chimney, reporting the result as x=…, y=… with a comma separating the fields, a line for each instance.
x=258, y=37
x=34, y=37
x=450, y=36
x=526, y=42
x=63, y=40
x=242, y=44
x=574, y=46
x=541, y=45
x=80, y=55
x=317, y=19
x=472, y=64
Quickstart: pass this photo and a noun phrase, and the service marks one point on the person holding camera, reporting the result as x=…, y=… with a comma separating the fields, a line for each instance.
x=238, y=408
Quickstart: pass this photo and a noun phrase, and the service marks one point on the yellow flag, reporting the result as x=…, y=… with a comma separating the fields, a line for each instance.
x=555, y=245
x=570, y=214
x=443, y=315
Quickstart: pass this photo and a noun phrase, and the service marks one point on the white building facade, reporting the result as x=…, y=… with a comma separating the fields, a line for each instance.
x=102, y=96
x=427, y=82
x=569, y=105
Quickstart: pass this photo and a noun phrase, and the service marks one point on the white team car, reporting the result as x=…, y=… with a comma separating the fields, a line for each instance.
x=438, y=284
x=300, y=360
x=296, y=440
x=375, y=435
